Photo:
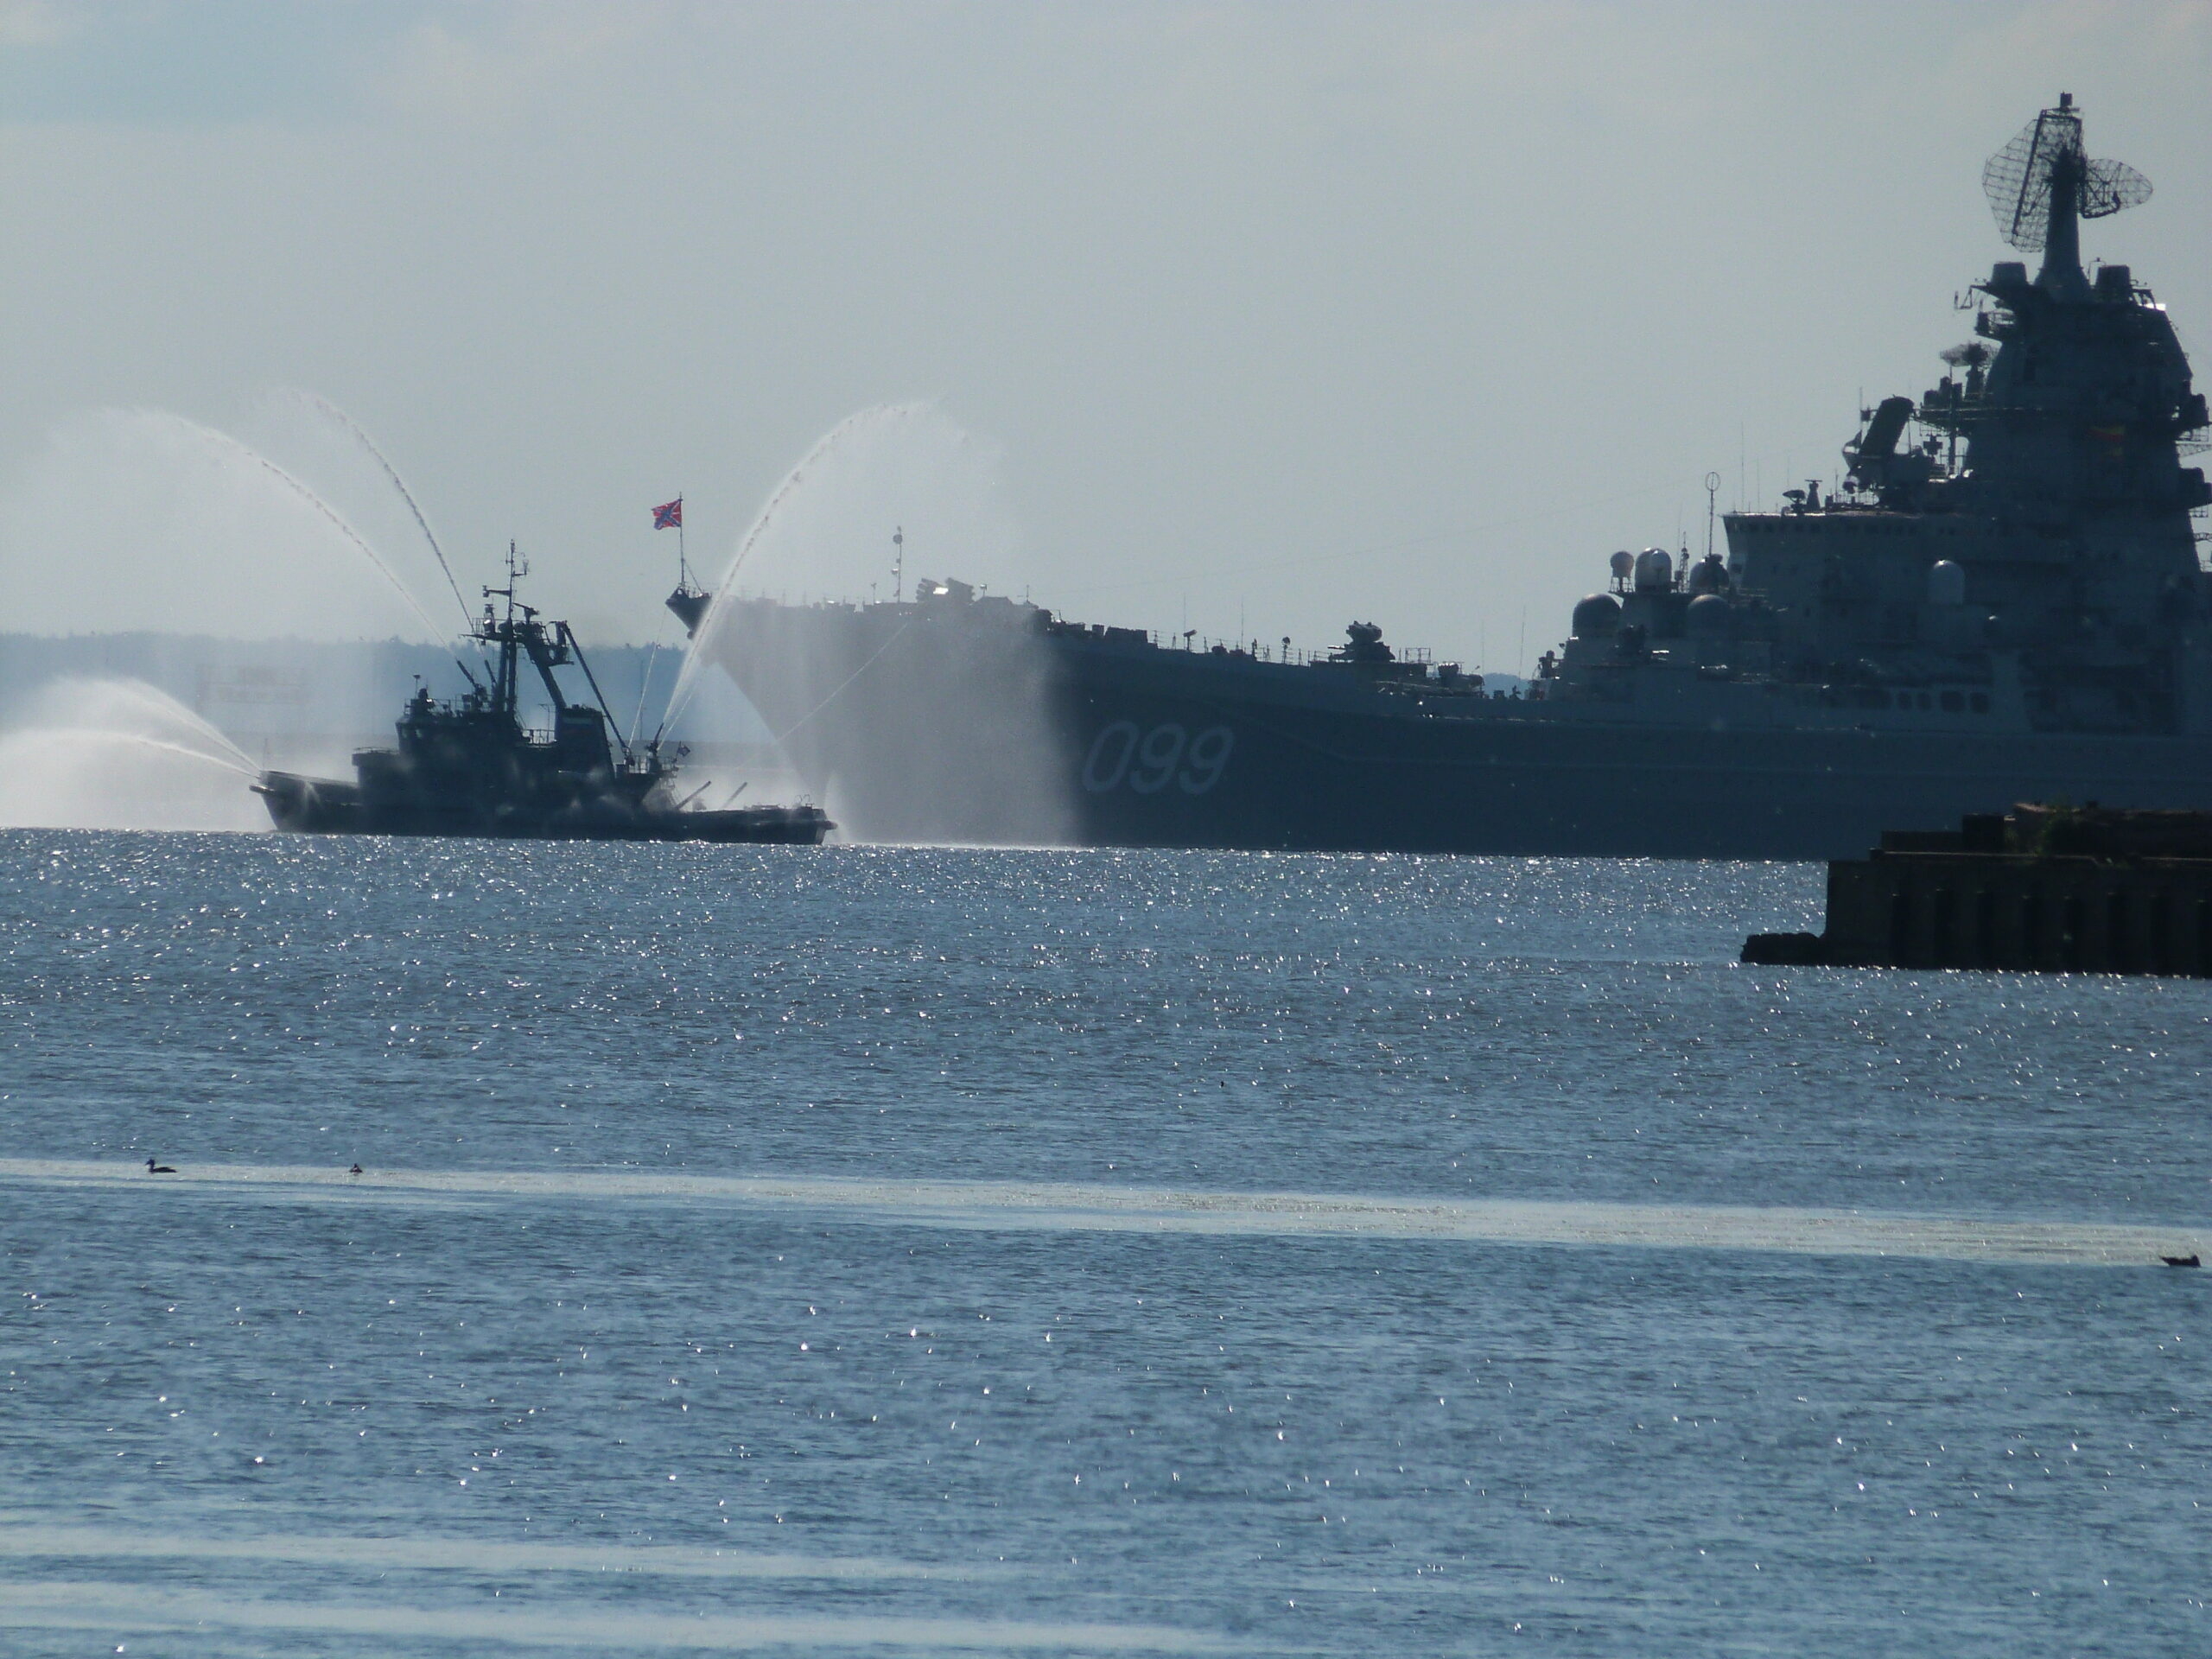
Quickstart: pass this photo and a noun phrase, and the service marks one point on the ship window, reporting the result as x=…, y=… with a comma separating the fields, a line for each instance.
x=1952, y=703
x=1980, y=700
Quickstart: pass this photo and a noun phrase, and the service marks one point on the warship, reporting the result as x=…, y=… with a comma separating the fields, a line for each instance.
x=472, y=767
x=2003, y=601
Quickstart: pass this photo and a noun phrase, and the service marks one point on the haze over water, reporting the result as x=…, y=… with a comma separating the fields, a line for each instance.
x=884, y=1250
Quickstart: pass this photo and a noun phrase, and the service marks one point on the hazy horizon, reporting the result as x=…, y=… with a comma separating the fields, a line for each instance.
x=1259, y=318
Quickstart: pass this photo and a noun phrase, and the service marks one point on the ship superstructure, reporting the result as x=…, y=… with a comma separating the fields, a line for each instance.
x=2004, y=601
x=2017, y=538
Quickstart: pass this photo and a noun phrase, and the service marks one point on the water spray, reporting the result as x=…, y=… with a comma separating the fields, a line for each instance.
x=224, y=439
x=679, y=698
x=91, y=753
x=323, y=406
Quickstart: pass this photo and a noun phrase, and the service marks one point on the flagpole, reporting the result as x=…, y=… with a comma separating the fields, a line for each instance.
x=683, y=565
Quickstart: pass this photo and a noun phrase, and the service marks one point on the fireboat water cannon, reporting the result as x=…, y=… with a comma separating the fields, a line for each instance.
x=472, y=767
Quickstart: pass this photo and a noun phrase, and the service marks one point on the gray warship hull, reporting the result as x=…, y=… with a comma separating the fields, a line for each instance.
x=935, y=722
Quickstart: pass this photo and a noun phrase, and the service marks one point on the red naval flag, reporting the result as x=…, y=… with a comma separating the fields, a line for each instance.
x=670, y=516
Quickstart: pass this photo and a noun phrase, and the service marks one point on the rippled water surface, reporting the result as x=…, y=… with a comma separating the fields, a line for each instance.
x=876, y=1251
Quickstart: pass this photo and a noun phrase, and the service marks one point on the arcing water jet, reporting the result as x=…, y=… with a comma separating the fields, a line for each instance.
x=120, y=755
x=826, y=527
x=324, y=408
x=972, y=757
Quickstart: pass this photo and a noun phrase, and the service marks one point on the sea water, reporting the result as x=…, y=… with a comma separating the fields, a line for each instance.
x=873, y=1250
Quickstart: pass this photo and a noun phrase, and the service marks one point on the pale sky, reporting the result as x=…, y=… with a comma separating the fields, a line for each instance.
x=1278, y=313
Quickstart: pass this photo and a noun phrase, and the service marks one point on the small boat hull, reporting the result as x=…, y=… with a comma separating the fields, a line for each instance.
x=306, y=806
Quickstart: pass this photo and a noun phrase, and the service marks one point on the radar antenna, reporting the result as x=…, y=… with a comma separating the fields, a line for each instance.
x=1974, y=354
x=2041, y=184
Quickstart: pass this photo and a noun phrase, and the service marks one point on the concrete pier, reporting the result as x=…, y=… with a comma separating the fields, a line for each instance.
x=2044, y=889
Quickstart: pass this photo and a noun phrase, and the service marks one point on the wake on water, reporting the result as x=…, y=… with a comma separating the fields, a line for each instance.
x=1064, y=1206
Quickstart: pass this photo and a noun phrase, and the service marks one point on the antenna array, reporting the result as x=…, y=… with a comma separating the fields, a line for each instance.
x=2044, y=163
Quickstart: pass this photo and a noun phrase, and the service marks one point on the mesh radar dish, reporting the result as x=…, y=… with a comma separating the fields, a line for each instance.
x=1972, y=355
x=2023, y=179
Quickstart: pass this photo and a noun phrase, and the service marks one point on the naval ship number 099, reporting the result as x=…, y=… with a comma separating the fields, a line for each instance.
x=1147, y=761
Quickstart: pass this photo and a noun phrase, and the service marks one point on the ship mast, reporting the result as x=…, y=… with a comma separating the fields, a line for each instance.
x=2062, y=249
x=506, y=690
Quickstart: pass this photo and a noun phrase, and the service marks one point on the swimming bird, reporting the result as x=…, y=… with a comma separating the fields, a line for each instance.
x=356, y=1170
x=153, y=1168
x=2189, y=1261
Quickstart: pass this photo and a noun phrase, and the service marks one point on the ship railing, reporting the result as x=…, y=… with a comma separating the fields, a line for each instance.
x=1261, y=651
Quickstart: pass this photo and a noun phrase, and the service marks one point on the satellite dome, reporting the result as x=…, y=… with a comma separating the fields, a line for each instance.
x=1709, y=575
x=1597, y=617
x=1947, y=583
x=1621, y=562
x=1655, y=571
x=1708, y=616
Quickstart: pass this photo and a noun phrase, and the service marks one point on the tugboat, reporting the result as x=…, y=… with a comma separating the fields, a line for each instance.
x=471, y=768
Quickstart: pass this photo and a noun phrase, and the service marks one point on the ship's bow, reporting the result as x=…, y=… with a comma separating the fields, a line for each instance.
x=936, y=722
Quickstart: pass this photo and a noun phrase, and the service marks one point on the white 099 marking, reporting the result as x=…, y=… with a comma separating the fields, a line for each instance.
x=1147, y=761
